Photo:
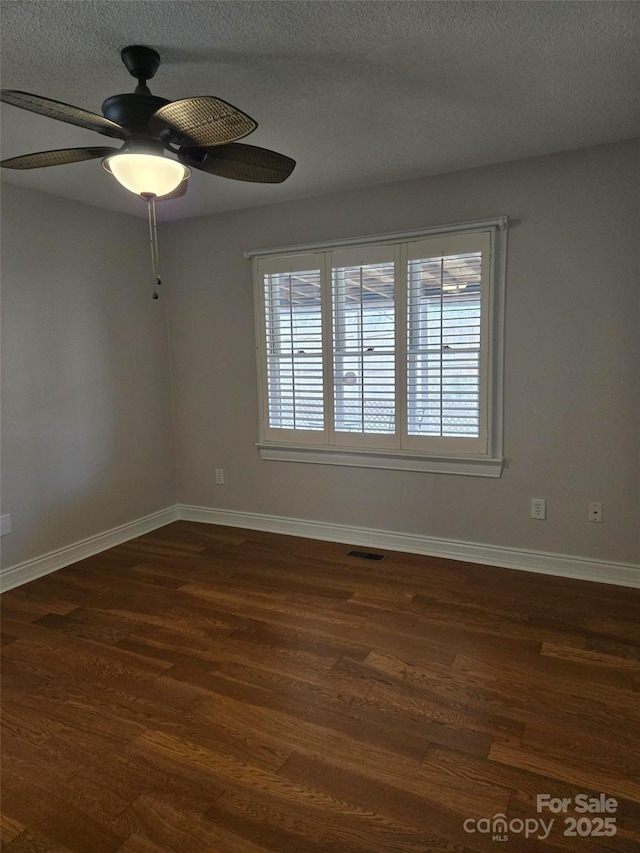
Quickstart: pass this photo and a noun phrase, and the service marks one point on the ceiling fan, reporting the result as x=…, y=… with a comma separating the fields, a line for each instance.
x=202, y=132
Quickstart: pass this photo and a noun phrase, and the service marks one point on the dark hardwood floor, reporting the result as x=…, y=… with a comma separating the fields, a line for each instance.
x=212, y=690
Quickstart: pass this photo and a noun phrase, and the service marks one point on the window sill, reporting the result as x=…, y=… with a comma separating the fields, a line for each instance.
x=470, y=466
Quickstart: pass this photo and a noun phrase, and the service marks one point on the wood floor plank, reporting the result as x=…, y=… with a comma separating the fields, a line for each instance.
x=315, y=741
x=605, y=753
x=346, y=714
x=171, y=826
x=206, y=689
x=591, y=657
x=31, y=841
x=55, y=816
x=432, y=813
x=559, y=676
x=167, y=825
x=577, y=771
x=9, y=829
x=139, y=844
x=304, y=828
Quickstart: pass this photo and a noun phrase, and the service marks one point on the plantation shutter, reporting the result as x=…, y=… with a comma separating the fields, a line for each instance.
x=364, y=346
x=446, y=340
x=292, y=347
x=387, y=345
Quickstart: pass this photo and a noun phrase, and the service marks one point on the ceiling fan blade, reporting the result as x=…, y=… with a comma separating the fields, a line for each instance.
x=201, y=121
x=179, y=191
x=64, y=112
x=239, y=162
x=59, y=157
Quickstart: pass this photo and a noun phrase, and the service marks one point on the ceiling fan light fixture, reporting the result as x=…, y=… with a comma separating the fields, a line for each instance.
x=146, y=174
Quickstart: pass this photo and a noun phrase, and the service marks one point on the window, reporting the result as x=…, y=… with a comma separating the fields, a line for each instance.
x=386, y=352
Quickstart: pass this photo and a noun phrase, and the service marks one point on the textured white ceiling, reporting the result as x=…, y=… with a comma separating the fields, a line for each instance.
x=359, y=92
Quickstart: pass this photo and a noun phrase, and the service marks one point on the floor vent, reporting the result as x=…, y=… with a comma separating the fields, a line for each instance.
x=366, y=555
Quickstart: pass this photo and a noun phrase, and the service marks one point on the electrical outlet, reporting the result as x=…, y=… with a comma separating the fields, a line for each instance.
x=595, y=512
x=5, y=525
x=539, y=508
x=219, y=477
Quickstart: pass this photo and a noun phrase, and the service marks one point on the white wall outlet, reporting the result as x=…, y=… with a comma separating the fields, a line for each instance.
x=5, y=525
x=219, y=477
x=595, y=512
x=539, y=508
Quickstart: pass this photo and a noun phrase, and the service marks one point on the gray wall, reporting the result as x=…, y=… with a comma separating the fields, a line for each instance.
x=571, y=395
x=86, y=407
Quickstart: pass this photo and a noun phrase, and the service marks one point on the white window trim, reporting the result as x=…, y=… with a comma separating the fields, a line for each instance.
x=489, y=464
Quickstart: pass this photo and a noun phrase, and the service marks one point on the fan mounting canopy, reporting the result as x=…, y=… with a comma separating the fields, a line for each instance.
x=140, y=61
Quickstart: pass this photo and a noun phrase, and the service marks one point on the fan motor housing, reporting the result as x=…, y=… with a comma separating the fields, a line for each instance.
x=132, y=110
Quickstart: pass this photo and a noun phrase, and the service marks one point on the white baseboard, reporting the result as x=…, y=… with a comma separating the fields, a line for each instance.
x=581, y=568
x=21, y=573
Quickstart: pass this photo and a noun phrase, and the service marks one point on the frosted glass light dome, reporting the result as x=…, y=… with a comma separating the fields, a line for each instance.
x=146, y=174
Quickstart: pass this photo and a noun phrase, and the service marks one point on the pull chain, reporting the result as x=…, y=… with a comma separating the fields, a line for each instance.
x=153, y=239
